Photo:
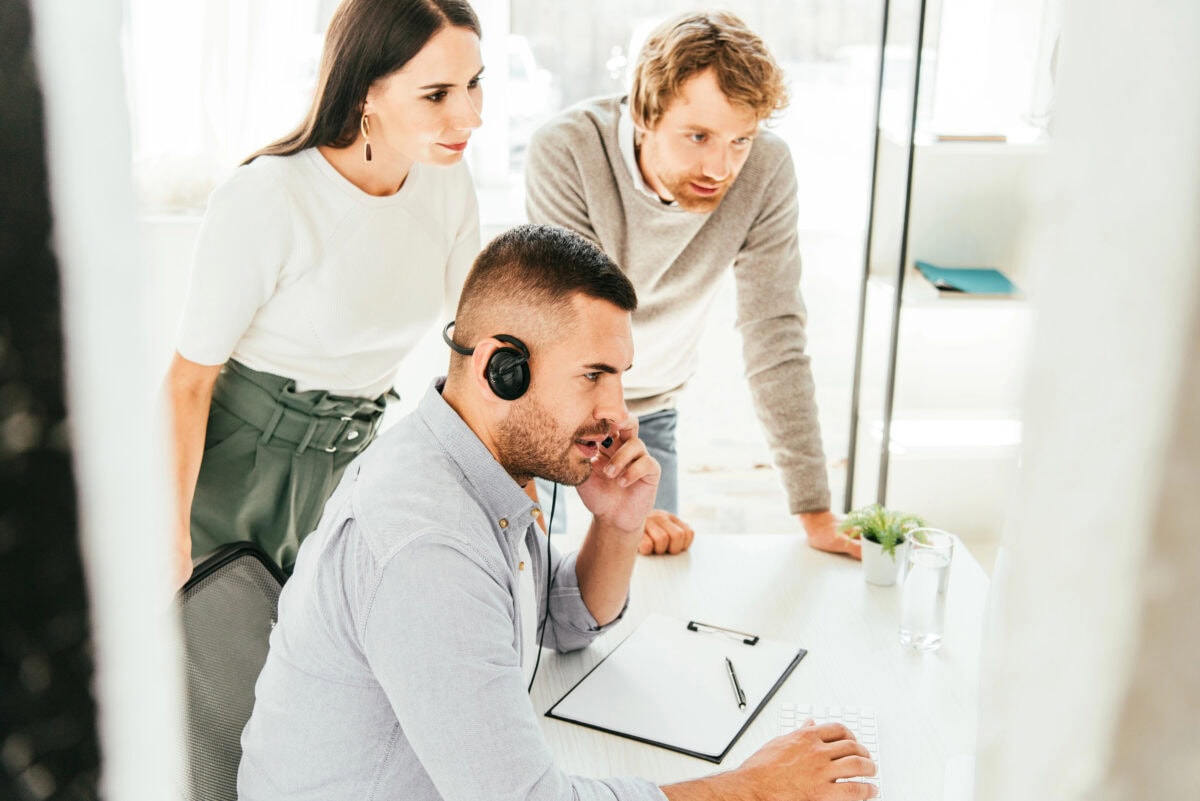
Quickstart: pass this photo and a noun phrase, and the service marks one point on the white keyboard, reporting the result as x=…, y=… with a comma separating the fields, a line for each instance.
x=859, y=720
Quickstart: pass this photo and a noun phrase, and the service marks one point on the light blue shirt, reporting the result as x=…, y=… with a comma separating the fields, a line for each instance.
x=395, y=668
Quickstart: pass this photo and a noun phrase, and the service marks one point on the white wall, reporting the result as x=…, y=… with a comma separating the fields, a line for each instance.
x=970, y=204
x=987, y=59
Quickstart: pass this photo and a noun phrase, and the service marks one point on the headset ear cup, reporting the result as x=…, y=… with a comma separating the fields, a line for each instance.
x=508, y=373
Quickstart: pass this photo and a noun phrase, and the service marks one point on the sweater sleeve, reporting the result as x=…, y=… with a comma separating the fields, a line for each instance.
x=771, y=318
x=242, y=247
x=554, y=182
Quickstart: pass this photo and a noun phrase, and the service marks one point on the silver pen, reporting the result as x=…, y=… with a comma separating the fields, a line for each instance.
x=738, y=695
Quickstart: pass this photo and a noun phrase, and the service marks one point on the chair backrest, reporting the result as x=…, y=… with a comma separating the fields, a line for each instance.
x=228, y=608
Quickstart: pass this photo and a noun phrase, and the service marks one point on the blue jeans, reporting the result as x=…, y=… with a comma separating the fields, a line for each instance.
x=657, y=430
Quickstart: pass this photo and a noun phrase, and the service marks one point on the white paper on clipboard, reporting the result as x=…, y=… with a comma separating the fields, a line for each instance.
x=668, y=686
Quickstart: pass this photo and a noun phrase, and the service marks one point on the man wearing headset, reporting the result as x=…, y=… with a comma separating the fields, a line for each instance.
x=408, y=632
x=677, y=182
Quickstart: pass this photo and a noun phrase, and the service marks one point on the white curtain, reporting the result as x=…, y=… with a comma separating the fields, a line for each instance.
x=209, y=82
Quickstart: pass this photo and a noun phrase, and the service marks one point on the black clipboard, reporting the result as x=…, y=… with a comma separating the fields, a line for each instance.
x=667, y=685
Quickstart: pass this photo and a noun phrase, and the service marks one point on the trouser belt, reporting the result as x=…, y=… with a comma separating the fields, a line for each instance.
x=307, y=420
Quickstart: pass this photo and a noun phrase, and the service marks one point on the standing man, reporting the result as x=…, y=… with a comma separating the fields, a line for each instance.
x=410, y=627
x=677, y=182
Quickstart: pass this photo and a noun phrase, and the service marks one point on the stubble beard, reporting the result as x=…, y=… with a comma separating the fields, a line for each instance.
x=680, y=188
x=531, y=447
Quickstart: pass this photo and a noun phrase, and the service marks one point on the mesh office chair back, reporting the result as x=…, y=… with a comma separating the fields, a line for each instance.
x=228, y=608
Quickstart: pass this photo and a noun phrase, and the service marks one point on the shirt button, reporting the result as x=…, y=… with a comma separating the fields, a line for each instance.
x=504, y=522
x=535, y=511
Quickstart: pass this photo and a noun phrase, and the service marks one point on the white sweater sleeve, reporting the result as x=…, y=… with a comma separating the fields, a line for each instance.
x=243, y=244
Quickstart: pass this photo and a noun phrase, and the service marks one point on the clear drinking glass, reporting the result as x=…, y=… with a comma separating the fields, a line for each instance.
x=923, y=593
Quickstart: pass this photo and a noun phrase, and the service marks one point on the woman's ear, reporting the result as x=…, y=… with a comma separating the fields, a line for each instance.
x=367, y=106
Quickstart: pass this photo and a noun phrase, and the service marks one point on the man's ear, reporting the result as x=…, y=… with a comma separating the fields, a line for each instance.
x=640, y=127
x=479, y=365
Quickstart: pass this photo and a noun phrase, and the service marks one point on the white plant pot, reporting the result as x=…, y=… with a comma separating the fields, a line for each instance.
x=879, y=567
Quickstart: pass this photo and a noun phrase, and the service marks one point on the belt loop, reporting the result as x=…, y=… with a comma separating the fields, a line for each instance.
x=270, y=429
x=288, y=389
x=318, y=403
x=308, y=435
x=337, y=434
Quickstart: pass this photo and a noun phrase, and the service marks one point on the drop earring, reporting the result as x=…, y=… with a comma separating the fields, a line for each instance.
x=364, y=125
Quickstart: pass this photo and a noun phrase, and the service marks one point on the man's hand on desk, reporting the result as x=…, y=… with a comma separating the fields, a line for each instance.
x=804, y=764
x=665, y=533
x=823, y=534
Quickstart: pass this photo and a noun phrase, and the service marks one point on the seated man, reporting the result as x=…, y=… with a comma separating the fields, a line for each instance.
x=407, y=634
x=679, y=183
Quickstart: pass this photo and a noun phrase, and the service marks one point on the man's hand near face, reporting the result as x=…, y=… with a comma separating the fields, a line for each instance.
x=619, y=494
x=621, y=489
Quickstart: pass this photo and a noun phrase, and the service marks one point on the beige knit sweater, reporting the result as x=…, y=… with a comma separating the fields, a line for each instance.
x=577, y=178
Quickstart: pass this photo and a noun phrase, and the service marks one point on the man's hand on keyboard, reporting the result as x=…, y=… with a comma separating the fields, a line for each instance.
x=807, y=763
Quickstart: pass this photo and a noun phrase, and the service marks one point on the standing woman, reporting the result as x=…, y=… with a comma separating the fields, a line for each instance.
x=320, y=263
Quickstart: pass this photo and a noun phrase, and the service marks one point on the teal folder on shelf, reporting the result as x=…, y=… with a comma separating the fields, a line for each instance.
x=667, y=684
x=968, y=280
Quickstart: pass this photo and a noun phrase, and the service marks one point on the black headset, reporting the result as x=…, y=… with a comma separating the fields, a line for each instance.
x=507, y=368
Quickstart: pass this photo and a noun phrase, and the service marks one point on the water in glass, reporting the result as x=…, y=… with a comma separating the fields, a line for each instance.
x=923, y=595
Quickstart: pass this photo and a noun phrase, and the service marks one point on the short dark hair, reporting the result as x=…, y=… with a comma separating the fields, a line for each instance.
x=367, y=40
x=540, y=267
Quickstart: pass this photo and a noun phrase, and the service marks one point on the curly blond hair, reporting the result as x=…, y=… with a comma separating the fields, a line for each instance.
x=688, y=45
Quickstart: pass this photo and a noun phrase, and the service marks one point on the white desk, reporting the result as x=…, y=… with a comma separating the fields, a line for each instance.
x=776, y=586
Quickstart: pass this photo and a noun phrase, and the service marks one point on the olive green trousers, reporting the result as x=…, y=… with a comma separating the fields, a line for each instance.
x=272, y=457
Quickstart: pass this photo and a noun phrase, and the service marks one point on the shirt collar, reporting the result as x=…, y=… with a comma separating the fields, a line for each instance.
x=625, y=139
x=501, y=498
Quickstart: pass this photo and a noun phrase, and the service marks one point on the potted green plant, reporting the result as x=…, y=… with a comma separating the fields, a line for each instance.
x=882, y=531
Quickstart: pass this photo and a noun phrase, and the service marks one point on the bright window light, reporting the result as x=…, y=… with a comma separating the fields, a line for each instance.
x=938, y=433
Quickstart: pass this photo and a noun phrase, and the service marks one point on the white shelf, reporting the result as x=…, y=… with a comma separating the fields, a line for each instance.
x=920, y=294
x=1019, y=141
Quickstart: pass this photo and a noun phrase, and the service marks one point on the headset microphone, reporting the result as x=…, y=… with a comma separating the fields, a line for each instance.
x=607, y=442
